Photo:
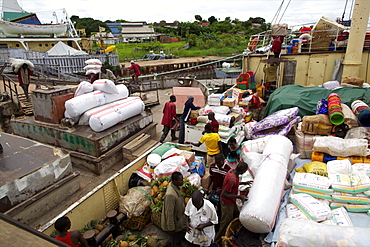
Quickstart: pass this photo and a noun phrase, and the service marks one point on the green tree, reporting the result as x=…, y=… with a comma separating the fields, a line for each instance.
x=198, y=18
x=212, y=19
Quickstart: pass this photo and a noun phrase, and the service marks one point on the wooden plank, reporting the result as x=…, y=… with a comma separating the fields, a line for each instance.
x=144, y=148
x=136, y=143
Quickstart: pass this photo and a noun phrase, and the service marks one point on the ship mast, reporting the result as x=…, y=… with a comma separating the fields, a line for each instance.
x=353, y=58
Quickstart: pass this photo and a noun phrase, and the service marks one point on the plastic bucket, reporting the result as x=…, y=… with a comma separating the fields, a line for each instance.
x=358, y=105
x=153, y=160
x=364, y=117
x=289, y=49
x=336, y=118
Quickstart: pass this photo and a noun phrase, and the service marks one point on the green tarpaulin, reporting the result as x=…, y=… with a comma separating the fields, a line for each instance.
x=306, y=98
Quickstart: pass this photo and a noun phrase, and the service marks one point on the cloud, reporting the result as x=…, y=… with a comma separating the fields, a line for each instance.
x=299, y=11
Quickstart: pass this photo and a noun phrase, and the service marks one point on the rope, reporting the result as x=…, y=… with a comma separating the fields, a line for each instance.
x=179, y=70
x=285, y=10
x=277, y=12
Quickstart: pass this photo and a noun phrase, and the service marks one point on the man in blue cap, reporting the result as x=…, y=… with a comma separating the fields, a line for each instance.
x=185, y=117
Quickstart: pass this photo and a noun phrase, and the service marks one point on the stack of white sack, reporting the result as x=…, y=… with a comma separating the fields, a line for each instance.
x=93, y=66
x=105, y=119
x=259, y=213
x=76, y=106
x=294, y=232
x=215, y=99
x=351, y=185
x=84, y=119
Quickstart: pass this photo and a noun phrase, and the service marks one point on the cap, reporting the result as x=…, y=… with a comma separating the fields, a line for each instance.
x=190, y=97
x=132, y=61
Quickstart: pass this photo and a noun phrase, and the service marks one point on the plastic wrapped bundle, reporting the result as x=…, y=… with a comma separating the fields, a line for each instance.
x=84, y=119
x=259, y=213
x=114, y=115
x=78, y=105
x=309, y=233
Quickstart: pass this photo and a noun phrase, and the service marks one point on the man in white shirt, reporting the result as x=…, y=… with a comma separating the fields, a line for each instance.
x=201, y=218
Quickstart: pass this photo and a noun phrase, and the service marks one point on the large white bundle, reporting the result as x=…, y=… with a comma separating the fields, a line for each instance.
x=309, y=233
x=110, y=117
x=337, y=146
x=78, y=105
x=259, y=213
x=257, y=145
x=84, y=119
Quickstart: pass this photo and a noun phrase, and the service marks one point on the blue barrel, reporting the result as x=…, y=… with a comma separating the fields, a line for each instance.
x=295, y=42
x=289, y=49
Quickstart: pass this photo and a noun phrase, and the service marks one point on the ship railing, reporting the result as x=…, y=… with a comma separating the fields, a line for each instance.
x=10, y=87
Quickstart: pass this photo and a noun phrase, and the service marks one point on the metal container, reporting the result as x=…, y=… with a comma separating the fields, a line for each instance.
x=48, y=104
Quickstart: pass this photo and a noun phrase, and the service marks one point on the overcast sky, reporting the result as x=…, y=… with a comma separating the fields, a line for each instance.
x=298, y=11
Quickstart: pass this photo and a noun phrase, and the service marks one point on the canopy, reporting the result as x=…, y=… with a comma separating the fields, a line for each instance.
x=61, y=49
x=306, y=98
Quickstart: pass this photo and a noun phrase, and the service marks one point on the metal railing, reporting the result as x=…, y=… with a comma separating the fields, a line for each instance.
x=10, y=87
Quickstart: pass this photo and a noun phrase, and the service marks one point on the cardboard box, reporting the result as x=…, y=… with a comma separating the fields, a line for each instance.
x=206, y=180
x=189, y=156
x=241, y=103
x=237, y=116
x=237, y=94
x=230, y=102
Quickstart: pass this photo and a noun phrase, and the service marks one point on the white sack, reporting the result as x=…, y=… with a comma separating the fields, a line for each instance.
x=311, y=207
x=308, y=233
x=169, y=166
x=84, y=119
x=78, y=105
x=223, y=119
x=337, y=146
x=349, y=117
x=217, y=109
x=339, y=166
x=116, y=114
x=259, y=212
x=105, y=85
x=92, y=66
x=17, y=63
x=92, y=71
x=93, y=61
x=84, y=87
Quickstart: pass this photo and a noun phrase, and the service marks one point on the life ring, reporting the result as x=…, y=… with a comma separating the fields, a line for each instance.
x=253, y=44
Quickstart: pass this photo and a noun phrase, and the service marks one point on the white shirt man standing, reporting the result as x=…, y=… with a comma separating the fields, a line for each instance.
x=201, y=218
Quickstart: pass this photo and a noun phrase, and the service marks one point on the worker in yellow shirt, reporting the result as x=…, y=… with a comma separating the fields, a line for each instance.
x=213, y=144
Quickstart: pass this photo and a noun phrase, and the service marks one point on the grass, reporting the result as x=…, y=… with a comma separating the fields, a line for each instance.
x=129, y=51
